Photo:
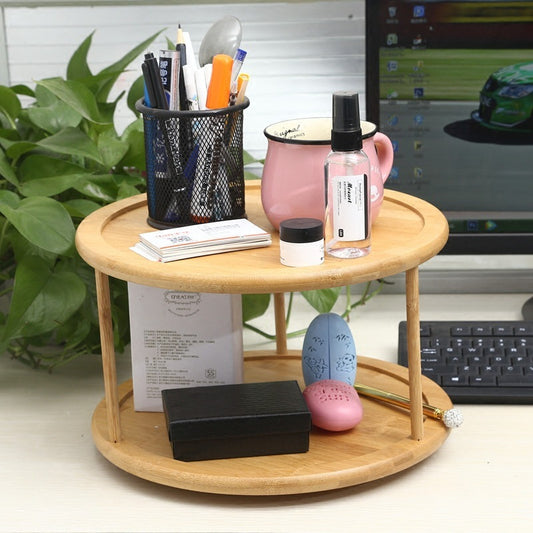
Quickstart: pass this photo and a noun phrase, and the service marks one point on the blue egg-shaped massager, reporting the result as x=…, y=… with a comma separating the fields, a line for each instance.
x=329, y=350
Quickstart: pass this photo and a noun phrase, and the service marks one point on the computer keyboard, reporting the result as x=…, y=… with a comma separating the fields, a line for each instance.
x=476, y=362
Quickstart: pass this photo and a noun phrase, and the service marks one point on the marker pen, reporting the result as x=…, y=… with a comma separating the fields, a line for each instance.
x=182, y=51
x=153, y=82
x=219, y=86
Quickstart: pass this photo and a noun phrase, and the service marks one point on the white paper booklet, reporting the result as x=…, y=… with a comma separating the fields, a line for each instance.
x=201, y=239
x=182, y=339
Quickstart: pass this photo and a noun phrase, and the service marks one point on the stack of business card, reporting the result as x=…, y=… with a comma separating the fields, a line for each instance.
x=201, y=239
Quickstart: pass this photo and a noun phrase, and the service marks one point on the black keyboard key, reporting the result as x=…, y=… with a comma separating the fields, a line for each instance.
x=482, y=381
x=524, y=341
x=514, y=381
x=454, y=359
x=429, y=352
x=516, y=351
x=482, y=330
x=524, y=329
x=438, y=370
x=425, y=331
x=473, y=351
x=454, y=381
x=461, y=331
x=494, y=351
x=503, y=330
x=491, y=370
x=483, y=342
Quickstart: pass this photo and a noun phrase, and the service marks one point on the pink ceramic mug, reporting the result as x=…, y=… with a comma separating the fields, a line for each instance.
x=292, y=184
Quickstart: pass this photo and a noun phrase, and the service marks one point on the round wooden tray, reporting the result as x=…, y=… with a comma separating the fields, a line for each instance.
x=407, y=232
x=379, y=446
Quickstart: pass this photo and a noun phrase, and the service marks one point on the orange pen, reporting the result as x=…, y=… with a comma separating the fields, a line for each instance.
x=219, y=86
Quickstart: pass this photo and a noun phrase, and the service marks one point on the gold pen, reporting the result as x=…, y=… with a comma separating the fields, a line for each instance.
x=451, y=418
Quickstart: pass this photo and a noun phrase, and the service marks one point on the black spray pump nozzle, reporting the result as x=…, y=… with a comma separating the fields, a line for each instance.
x=346, y=132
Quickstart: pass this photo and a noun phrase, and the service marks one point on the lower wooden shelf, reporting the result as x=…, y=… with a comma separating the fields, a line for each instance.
x=379, y=446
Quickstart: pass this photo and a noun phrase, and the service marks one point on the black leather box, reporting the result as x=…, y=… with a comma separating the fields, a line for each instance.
x=223, y=421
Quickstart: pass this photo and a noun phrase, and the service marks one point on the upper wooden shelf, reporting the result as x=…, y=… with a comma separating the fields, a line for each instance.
x=407, y=232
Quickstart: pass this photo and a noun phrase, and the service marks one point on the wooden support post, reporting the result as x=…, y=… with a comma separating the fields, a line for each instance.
x=108, y=355
x=413, y=351
x=281, y=327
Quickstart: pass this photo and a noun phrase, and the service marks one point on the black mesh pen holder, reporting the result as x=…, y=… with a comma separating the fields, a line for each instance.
x=194, y=165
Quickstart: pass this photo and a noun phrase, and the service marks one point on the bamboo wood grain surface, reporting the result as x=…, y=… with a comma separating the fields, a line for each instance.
x=379, y=446
x=407, y=232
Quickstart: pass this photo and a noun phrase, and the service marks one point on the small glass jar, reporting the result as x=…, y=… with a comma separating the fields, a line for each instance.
x=301, y=242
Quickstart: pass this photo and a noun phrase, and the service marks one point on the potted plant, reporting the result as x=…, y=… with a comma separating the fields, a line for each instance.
x=61, y=158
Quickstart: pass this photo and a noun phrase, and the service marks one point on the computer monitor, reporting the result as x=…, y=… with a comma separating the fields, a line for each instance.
x=451, y=84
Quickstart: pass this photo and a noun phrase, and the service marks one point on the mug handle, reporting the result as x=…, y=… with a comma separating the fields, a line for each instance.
x=385, y=154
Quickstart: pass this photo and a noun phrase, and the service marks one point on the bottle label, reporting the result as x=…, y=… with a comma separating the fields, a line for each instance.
x=350, y=201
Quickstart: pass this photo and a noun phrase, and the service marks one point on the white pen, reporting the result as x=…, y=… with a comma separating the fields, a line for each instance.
x=190, y=86
x=207, y=70
x=189, y=50
x=201, y=88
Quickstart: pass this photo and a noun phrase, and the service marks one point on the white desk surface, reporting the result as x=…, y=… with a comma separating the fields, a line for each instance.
x=52, y=478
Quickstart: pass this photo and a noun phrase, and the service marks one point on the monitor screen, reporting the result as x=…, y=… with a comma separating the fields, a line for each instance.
x=451, y=84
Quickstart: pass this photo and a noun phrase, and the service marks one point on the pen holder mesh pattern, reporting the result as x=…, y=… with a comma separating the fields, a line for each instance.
x=194, y=165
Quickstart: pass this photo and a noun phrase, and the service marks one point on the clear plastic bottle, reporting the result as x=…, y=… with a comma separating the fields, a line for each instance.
x=347, y=181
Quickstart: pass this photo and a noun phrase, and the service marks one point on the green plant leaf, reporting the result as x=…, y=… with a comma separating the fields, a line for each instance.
x=322, y=300
x=119, y=66
x=247, y=158
x=62, y=296
x=254, y=305
x=73, y=332
x=15, y=149
x=76, y=95
x=44, y=97
x=125, y=190
x=41, y=299
x=8, y=200
x=23, y=90
x=42, y=221
x=9, y=105
x=55, y=117
x=20, y=246
x=99, y=186
x=72, y=141
x=42, y=175
x=54, y=185
x=31, y=276
x=80, y=207
x=78, y=67
x=6, y=171
x=111, y=148
x=136, y=91
x=134, y=137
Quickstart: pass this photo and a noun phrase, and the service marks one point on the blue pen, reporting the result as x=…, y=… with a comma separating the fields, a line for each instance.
x=238, y=60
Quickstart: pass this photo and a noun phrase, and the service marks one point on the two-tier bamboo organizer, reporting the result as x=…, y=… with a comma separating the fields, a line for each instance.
x=407, y=232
